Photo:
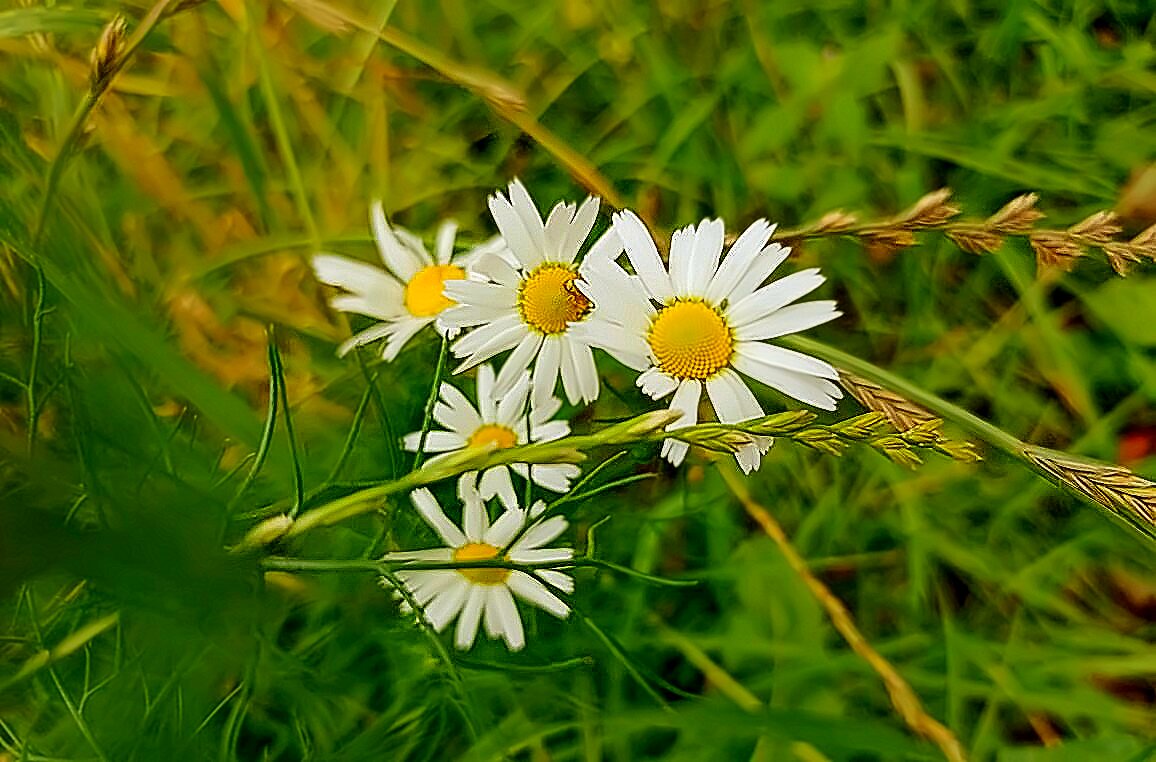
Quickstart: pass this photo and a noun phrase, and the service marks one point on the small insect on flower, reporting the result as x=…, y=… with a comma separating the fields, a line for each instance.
x=706, y=319
x=485, y=595
x=499, y=422
x=527, y=300
x=406, y=296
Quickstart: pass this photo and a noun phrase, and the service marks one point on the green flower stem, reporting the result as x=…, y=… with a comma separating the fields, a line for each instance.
x=381, y=565
x=1124, y=497
x=646, y=427
x=431, y=401
x=991, y=434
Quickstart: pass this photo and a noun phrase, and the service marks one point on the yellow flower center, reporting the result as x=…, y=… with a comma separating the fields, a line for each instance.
x=548, y=299
x=480, y=551
x=493, y=434
x=690, y=339
x=423, y=293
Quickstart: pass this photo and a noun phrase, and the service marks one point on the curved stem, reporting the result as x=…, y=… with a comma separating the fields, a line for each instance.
x=948, y=411
x=91, y=98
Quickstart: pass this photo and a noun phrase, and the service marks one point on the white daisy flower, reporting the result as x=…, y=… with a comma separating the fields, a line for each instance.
x=407, y=295
x=527, y=300
x=706, y=319
x=498, y=423
x=486, y=595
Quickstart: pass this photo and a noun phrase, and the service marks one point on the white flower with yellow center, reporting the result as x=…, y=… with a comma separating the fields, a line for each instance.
x=486, y=595
x=498, y=423
x=408, y=294
x=706, y=319
x=528, y=301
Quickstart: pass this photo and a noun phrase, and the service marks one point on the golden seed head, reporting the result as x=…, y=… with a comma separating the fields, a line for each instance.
x=106, y=54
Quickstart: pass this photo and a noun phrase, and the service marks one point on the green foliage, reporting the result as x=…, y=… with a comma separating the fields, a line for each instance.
x=138, y=441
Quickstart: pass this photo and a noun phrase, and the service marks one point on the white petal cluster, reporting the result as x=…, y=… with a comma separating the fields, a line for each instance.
x=526, y=300
x=486, y=596
x=705, y=319
x=498, y=422
x=408, y=294
x=702, y=322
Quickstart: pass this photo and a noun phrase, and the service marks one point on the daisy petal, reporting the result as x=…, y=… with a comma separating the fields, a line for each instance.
x=518, y=361
x=505, y=614
x=442, y=609
x=496, y=481
x=686, y=399
x=546, y=371
x=765, y=263
x=435, y=441
x=444, y=245
x=528, y=213
x=569, y=372
x=399, y=258
x=403, y=331
x=627, y=347
x=773, y=296
x=656, y=384
x=506, y=527
x=557, y=223
x=681, y=249
x=475, y=522
x=542, y=555
x=467, y=630
x=818, y=392
x=789, y=359
x=472, y=342
x=557, y=579
x=465, y=416
x=487, y=405
x=359, y=304
x=512, y=402
x=433, y=514
x=532, y=591
x=790, y=319
x=704, y=256
x=555, y=477
x=368, y=336
x=501, y=337
x=732, y=399
x=514, y=232
x=359, y=278
x=738, y=260
x=643, y=255
x=540, y=534
x=579, y=229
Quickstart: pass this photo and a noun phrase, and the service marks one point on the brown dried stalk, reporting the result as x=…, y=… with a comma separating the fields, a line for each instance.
x=1053, y=248
x=903, y=697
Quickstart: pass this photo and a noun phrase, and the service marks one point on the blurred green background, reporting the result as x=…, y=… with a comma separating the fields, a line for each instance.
x=245, y=135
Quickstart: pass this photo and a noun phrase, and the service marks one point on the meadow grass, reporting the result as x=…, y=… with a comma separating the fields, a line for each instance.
x=168, y=384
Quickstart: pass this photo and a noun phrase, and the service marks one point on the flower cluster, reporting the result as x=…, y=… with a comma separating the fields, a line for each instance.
x=701, y=321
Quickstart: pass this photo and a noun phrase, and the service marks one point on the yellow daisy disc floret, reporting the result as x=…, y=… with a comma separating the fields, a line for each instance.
x=423, y=293
x=690, y=339
x=491, y=433
x=480, y=551
x=548, y=300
